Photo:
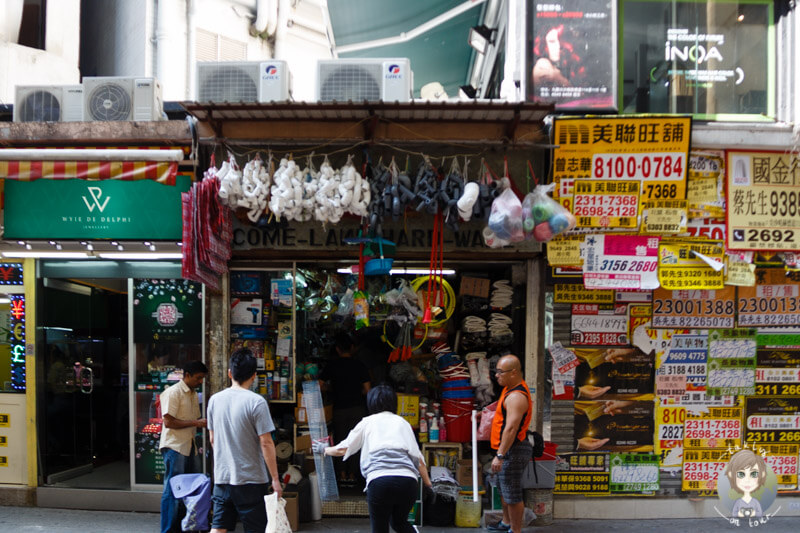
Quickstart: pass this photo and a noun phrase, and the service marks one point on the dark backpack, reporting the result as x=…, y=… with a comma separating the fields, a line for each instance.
x=537, y=443
x=537, y=449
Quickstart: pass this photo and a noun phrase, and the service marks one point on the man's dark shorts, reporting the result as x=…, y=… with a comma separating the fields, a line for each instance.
x=245, y=502
x=510, y=477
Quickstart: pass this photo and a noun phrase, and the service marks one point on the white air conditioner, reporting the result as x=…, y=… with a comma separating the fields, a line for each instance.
x=121, y=98
x=246, y=81
x=389, y=80
x=48, y=103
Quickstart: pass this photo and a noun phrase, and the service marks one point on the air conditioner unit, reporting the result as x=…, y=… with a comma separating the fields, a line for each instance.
x=343, y=80
x=48, y=103
x=246, y=81
x=121, y=98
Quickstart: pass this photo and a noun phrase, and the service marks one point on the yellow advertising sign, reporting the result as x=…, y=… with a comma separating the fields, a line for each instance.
x=5, y=420
x=702, y=467
x=783, y=460
x=740, y=273
x=571, y=293
x=606, y=203
x=719, y=427
x=688, y=265
x=694, y=308
x=565, y=251
x=664, y=216
x=652, y=150
x=763, y=201
x=668, y=444
x=705, y=194
x=774, y=301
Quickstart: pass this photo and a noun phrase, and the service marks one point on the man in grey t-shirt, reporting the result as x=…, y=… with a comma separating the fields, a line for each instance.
x=240, y=426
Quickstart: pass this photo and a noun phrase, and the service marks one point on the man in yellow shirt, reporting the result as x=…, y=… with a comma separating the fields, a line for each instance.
x=180, y=409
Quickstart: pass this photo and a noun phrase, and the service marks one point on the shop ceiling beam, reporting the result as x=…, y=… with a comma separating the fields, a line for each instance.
x=77, y=154
x=164, y=133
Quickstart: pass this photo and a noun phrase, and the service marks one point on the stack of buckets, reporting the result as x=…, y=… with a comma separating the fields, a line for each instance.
x=457, y=405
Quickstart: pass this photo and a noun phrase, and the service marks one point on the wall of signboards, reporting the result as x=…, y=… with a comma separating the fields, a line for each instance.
x=678, y=338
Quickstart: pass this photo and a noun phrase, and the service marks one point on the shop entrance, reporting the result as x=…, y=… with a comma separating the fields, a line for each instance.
x=83, y=391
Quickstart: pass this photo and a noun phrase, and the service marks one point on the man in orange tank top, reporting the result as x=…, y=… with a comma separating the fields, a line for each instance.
x=509, y=432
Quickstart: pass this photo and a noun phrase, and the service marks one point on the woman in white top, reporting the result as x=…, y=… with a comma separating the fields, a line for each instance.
x=390, y=461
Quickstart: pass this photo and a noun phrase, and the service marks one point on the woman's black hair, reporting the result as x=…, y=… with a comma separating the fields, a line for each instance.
x=381, y=398
x=343, y=341
x=242, y=365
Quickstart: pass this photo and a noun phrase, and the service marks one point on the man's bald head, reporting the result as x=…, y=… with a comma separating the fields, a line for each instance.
x=509, y=362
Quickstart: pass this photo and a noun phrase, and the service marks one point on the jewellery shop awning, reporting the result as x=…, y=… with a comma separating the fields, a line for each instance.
x=90, y=164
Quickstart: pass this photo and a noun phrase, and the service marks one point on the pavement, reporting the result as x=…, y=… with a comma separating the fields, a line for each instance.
x=31, y=519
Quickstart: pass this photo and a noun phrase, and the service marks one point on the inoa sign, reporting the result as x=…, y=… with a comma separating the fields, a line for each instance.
x=80, y=209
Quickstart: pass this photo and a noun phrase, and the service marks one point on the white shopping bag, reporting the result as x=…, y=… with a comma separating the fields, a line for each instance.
x=277, y=521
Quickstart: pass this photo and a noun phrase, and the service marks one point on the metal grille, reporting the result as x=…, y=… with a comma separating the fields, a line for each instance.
x=226, y=84
x=350, y=83
x=110, y=101
x=40, y=106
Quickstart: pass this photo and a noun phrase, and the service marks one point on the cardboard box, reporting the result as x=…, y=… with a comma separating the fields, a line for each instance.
x=300, y=416
x=464, y=472
x=474, y=287
x=302, y=443
x=546, y=472
x=292, y=510
x=328, y=413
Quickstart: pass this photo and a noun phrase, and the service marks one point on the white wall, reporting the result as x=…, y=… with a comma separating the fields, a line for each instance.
x=56, y=65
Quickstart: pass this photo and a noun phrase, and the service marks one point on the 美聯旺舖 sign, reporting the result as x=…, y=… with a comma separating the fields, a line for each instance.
x=105, y=209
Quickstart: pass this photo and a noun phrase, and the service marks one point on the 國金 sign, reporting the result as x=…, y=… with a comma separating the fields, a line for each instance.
x=606, y=203
x=634, y=472
x=599, y=325
x=694, y=308
x=620, y=262
x=576, y=293
x=774, y=301
x=687, y=265
x=702, y=467
x=772, y=419
x=717, y=427
x=763, y=200
x=664, y=217
x=653, y=150
x=731, y=362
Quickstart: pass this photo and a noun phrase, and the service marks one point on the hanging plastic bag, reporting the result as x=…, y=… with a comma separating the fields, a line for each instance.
x=505, y=220
x=361, y=309
x=277, y=521
x=487, y=416
x=549, y=217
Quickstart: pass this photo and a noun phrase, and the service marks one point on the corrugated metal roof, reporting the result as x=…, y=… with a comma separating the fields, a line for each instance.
x=475, y=111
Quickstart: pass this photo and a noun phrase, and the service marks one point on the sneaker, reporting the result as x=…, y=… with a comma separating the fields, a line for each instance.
x=500, y=527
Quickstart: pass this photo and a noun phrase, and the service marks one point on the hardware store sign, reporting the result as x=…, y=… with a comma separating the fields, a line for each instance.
x=80, y=209
x=763, y=201
x=651, y=150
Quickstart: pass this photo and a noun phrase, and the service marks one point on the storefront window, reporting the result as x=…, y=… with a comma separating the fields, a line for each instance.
x=714, y=60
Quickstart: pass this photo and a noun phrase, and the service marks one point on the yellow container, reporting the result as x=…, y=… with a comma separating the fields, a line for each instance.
x=468, y=512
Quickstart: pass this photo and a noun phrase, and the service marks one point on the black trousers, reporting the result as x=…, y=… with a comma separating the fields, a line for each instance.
x=390, y=499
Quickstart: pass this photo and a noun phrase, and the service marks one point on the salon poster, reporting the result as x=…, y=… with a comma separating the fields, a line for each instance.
x=614, y=425
x=572, y=53
x=613, y=373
